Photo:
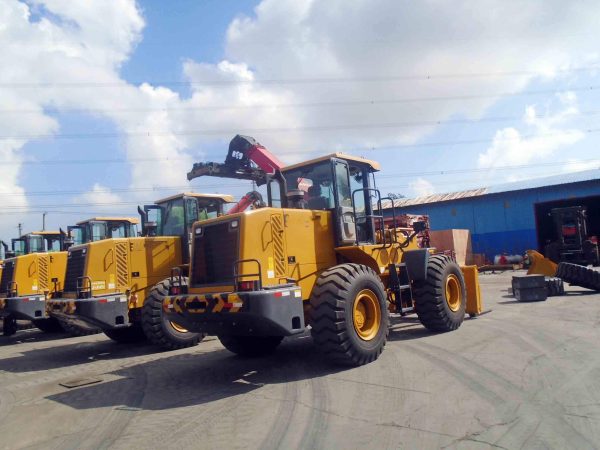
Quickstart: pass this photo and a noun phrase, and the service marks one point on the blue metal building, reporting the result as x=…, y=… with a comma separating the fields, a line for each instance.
x=512, y=217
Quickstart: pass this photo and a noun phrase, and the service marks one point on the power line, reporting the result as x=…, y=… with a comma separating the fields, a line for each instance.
x=288, y=81
x=337, y=103
x=395, y=124
x=316, y=128
x=236, y=185
x=48, y=207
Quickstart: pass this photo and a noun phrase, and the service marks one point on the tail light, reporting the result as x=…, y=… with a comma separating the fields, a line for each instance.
x=247, y=285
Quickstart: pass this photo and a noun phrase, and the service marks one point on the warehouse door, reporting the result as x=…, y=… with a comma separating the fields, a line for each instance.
x=545, y=229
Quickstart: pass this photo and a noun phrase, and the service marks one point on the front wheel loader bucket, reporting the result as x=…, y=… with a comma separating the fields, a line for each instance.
x=539, y=265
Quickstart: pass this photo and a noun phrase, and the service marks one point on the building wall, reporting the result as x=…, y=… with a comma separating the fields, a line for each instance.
x=502, y=222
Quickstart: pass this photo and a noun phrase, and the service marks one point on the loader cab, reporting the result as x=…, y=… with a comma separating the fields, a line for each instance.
x=344, y=185
x=175, y=216
x=38, y=242
x=100, y=228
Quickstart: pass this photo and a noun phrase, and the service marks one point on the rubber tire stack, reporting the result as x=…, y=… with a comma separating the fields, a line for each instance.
x=554, y=286
x=577, y=275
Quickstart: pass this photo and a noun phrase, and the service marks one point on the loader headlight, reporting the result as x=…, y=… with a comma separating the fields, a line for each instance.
x=198, y=231
x=234, y=224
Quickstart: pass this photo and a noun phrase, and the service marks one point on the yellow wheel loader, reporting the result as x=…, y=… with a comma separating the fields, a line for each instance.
x=36, y=271
x=28, y=270
x=117, y=284
x=317, y=257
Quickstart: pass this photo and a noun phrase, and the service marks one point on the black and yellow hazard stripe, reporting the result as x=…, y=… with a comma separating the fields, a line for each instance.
x=202, y=304
x=61, y=306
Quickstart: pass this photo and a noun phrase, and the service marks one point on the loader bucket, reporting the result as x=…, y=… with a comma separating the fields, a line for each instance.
x=539, y=265
x=474, y=303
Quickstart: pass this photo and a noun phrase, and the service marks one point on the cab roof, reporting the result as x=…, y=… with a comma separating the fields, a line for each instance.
x=374, y=165
x=131, y=220
x=225, y=198
x=42, y=233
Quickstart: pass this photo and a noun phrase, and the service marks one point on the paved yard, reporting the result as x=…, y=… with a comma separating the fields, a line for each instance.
x=524, y=375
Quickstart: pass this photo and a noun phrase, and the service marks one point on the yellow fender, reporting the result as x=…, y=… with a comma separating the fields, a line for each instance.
x=539, y=265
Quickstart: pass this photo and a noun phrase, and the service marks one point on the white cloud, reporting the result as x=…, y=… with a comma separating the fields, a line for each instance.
x=545, y=135
x=421, y=187
x=67, y=41
x=99, y=195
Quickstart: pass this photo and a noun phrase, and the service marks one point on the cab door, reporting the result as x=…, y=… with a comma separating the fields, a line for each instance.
x=344, y=209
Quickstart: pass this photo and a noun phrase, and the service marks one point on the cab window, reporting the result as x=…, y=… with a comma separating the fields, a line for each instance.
x=77, y=235
x=18, y=246
x=192, y=214
x=98, y=231
x=53, y=244
x=316, y=181
x=132, y=228
x=36, y=244
x=173, y=223
x=118, y=230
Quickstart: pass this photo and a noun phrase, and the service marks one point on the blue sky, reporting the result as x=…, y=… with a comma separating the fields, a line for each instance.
x=88, y=100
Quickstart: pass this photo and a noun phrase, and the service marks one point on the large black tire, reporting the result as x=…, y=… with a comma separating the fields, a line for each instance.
x=126, y=335
x=577, y=275
x=590, y=253
x=50, y=325
x=251, y=346
x=79, y=330
x=436, y=311
x=348, y=314
x=9, y=326
x=552, y=252
x=157, y=328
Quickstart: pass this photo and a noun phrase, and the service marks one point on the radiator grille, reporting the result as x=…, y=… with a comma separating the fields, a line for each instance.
x=278, y=245
x=42, y=272
x=122, y=264
x=75, y=268
x=215, y=252
x=7, y=275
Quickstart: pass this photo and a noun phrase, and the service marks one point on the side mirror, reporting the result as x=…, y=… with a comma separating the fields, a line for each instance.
x=67, y=240
x=148, y=228
x=419, y=226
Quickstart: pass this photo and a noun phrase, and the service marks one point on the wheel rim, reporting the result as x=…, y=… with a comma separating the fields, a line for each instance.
x=453, y=292
x=178, y=328
x=366, y=314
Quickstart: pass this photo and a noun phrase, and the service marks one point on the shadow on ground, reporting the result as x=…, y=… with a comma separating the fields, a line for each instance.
x=194, y=379
x=197, y=378
x=73, y=354
x=31, y=335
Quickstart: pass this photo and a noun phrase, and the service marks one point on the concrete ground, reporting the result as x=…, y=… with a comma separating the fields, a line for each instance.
x=526, y=375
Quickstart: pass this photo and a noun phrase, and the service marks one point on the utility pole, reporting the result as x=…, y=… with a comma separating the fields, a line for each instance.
x=44, y=221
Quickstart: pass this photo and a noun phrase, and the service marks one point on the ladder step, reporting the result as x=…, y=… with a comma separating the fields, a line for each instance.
x=404, y=286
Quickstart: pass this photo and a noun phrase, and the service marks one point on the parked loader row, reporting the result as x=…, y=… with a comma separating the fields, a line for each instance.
x=34, y=271
x=312, y=252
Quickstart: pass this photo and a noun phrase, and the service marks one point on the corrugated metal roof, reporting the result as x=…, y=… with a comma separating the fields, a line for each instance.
x=434, y=198
x=533, y=183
